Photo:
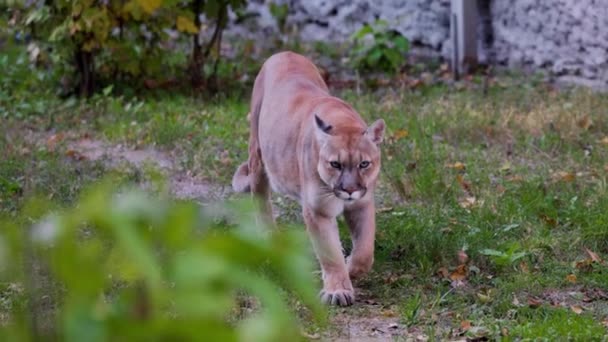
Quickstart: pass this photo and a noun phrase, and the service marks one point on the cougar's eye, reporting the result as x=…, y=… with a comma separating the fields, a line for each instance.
x=335, y=165
x=364, y=164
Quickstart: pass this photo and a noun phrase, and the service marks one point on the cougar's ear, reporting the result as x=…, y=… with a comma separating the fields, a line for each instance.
x=375, y=132
x=323, y=129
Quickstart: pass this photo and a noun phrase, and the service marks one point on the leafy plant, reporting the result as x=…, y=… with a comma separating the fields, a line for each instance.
x=377, y=48
x=506, y=258
x=128, y=266
x=280, y=13
x=120, y=40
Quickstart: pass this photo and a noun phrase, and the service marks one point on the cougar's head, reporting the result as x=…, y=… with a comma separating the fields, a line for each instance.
x=349, y=157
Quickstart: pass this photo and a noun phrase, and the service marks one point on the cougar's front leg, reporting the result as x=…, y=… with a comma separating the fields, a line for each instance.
x=361, y=221
x=323, y=232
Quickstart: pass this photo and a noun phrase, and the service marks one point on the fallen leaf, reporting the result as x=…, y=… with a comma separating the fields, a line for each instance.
x=460, y=273
x=515, y=301
x=550, y=221
x=415, y=83
x=53, y=140
x=571, y=278
x=514, y=178
x=605, y=322
x=484, y=298
x=604, y=140
x=75, y=155
x=456, y=166
x=523, y=266
x=443, y=272
x=585, y=122
x=388, y=313
x=467, y=202
x=594, y=257
x=577, y=309
x=400, y=134
x=564, y=176
x=584, y=265
x=534, y=302
x=465, y=325
x=466, y=186
x=504, y=331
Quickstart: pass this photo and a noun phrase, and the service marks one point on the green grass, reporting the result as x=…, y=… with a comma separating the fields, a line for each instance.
x=530, y=197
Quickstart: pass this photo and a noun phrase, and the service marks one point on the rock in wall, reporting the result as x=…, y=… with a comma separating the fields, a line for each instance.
x=566, y=37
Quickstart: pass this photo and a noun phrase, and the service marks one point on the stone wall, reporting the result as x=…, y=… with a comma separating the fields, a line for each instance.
x=566, y=37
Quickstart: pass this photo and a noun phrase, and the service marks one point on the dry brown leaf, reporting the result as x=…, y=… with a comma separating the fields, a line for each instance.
x=584, y=265
x=514, y=178
x=564, y=176
x=585, y=122
x=523, y=267
x=534, y=302
x=388, y=313
x=75, y=155
x=443, y=272
x=550, y=221
x=605, y=322
x=604, y=140
x=460, y=273
x=400, y=134
x=577, y=309
x=456, y=166
x=594, y=257
x=467, y=202
x=53, y=140
x=465, y=325
x=515, y=301
x=571, y=278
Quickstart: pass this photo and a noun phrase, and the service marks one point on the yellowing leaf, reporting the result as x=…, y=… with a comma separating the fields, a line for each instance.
x=571, y=278
x=456, y=166
x=401, y=133
x=149, y=5
x=563, y=176
x=186, y=25
x=577, y=309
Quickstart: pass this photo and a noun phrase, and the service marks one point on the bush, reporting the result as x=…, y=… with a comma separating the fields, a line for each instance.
x=376, y=48
x=123, y=265
x=87, y=41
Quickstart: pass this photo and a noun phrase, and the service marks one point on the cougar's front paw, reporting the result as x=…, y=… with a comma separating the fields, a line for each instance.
x=341, y=297
x=337, y=290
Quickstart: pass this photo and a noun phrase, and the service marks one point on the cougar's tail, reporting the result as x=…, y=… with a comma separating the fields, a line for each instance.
x=247, y=174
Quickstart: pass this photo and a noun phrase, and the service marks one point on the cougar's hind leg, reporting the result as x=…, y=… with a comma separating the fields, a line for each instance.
x=260, y=186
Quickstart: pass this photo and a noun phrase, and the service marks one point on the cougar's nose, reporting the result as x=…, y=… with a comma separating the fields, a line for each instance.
x=348, y=189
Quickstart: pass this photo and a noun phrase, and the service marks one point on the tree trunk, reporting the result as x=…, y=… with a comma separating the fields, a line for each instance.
x=85, y=69
x=197, y=60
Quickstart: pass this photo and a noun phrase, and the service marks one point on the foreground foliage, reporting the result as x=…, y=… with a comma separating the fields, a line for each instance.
x=125, y=265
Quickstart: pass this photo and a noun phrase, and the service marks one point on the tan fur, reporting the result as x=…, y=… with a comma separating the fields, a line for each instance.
x=297, y=129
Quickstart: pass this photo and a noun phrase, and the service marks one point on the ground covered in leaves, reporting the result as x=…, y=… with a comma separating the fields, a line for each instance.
x=492, y=208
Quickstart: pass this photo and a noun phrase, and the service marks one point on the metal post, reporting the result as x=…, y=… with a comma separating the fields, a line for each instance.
x=463, y=28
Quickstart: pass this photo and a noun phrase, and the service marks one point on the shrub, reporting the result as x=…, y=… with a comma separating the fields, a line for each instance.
x=376, y=48
x=127, y=266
